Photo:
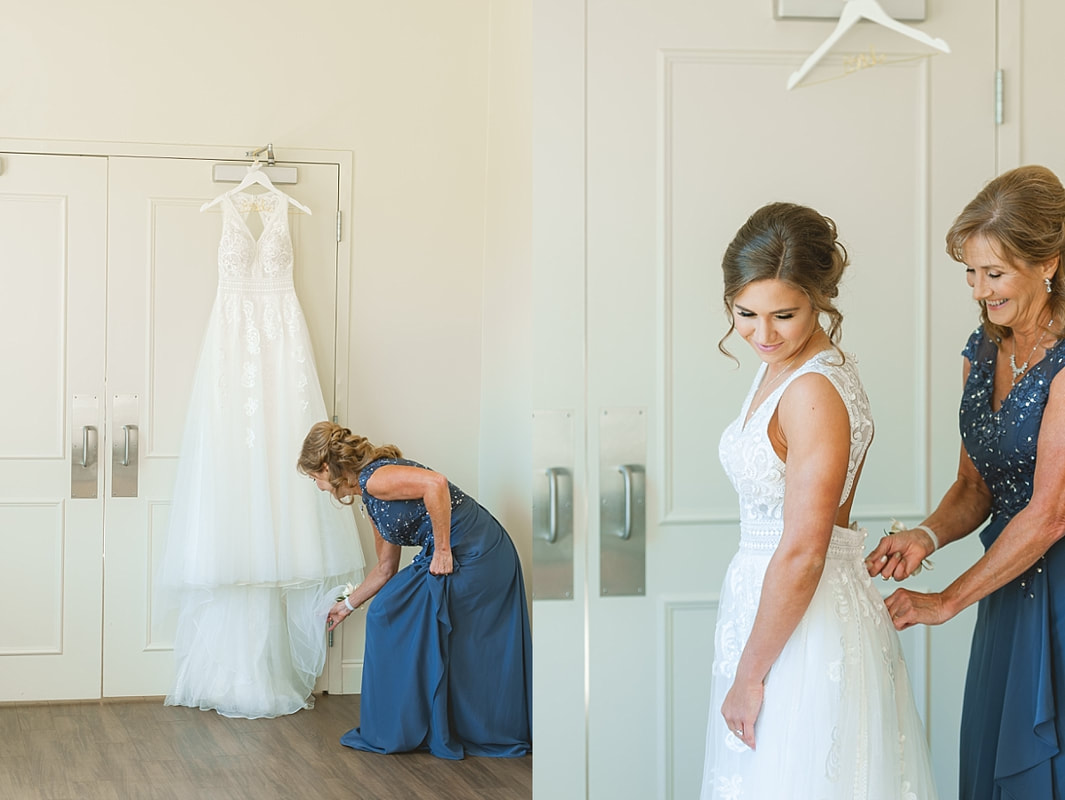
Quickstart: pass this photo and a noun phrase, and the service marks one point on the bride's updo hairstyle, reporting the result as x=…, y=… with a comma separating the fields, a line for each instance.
x=341, y=452
x=790, y=243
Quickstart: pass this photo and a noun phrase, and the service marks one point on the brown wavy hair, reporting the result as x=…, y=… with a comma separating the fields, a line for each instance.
x=341, y=452
x=791, y=243
x=1022, y=213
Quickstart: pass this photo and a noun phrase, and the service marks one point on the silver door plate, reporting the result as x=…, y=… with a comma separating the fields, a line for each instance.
x=84, y=446
x=125, y=445
x=552, y=506
x=622, y=506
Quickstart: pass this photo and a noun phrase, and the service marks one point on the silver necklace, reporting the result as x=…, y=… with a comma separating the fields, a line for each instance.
x=1019, y=371
x=766, y=388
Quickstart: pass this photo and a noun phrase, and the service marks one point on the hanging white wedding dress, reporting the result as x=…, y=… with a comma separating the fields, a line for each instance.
x=254, y=550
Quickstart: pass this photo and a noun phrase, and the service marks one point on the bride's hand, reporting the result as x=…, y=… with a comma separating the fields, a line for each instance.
x=742, y=705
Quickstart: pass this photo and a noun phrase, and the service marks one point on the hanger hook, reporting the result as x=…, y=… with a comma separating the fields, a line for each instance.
x=268, y=149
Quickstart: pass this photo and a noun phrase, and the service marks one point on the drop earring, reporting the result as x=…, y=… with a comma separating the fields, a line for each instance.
x=1047, y=282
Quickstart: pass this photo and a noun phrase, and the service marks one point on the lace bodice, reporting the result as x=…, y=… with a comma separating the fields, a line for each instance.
x=752, y=465
x=261, y=330
x=242, y=256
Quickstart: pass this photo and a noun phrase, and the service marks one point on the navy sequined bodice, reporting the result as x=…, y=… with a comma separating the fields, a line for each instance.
x=403, y=522
x=1002, y=444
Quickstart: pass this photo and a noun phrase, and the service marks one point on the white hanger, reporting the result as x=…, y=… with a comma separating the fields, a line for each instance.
x=255, y=175
x=854, y=10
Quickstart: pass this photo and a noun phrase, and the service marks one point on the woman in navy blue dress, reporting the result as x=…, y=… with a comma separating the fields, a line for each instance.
x=1011, y=239
x=448, y=661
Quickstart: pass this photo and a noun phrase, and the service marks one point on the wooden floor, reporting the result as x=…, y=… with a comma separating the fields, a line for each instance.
x=144, y=750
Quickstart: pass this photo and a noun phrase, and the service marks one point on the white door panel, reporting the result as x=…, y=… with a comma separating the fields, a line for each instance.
x=52, y=275
x=1031, y=113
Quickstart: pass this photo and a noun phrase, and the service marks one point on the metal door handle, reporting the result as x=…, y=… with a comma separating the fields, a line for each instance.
x=125, y=446
x=627, y=471
x=85, y=444
x=553, y=474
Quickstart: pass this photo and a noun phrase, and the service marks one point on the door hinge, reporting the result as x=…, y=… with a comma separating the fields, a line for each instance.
x=338, y=224
x=998, y=97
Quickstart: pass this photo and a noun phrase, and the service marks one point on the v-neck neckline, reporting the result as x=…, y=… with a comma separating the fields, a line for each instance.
x=267, y=219
x=1031, y=369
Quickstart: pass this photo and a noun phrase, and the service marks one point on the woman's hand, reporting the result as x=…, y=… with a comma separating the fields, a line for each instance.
x=899, y=554
x=742, y=705
x=442, y=563
x=912, y=608
x=337, y=614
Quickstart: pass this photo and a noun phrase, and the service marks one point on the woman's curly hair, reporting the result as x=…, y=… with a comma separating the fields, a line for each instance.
x=342, y=453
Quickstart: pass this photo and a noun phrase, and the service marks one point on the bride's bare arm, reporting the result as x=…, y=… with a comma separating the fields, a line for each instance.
x=815, y=427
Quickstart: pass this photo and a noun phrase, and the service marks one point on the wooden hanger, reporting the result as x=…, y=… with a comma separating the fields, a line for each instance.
x=854, y=10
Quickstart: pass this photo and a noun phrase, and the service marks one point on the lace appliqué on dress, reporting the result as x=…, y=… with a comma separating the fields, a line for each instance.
x=259, y=303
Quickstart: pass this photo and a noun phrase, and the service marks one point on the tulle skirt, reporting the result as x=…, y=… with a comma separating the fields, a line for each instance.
x=250, y=651
x=838, y=720
x=254, y=551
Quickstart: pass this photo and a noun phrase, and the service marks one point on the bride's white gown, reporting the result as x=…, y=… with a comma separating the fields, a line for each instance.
x=838, y=721
x=254, y=550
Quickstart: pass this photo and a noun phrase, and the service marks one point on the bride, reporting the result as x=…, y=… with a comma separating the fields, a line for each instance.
x=810, y=697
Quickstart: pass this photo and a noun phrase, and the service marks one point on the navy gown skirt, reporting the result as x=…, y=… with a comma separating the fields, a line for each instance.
x=1012, y=728
x=448, y=664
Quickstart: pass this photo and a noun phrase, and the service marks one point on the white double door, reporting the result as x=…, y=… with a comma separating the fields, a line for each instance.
x=659, y=127
x=108, y=272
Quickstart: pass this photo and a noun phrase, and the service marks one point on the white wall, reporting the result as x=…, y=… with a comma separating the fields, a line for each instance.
x=506, y=388
x=402, y=84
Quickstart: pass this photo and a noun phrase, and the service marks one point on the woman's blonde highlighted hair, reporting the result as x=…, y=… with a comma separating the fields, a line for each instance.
x=1022, y=214
x=342, y=453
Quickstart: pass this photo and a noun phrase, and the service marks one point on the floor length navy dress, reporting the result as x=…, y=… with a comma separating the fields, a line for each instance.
x=448, y=663
x=1012, y=730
